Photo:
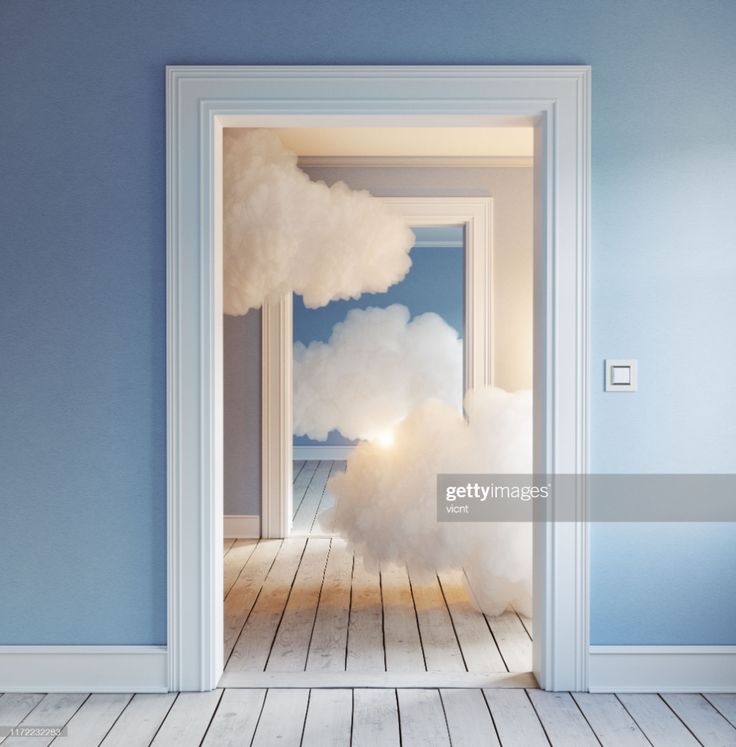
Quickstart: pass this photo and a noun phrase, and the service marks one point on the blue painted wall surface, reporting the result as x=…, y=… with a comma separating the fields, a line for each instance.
x=82, y=292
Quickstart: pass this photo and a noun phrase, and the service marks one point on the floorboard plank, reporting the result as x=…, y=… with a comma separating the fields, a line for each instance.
x=703, y=720
x=305, y=513
x=400, y=626
x=253, y=646
x=235, y=719
x=468, y=719
x=227, y=543
x=725, y=703
x=516, y=721
x=239, y=602
x=365, y=630
x=187, y=721
x=610, y=721
x=14, y=707
x=54, y=709
x=301, y=482
x=476, y=642
x=282, y=718
x=656, y=720
x=412, y=679
x=439, y=642
x=527, y=623
x=140, y=721
x=512, y=641
x=291, y=644
x=296, y=468
x=562, y=719
x=328, y=647
x=235, y=561
x=322, y=525
x=421, y=719
x=93, y=720
x=329, y=718
x=375, y=718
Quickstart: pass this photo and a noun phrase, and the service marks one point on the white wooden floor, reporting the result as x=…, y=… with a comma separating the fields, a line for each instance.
x=373, y=718
x=307, y=606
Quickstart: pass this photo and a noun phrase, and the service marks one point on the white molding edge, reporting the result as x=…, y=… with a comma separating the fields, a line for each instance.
x=438, y=245
x=87, y=669
x=337, y=452
x=475, y=214
x=242, y=526
x=276, y=417
x=412, y=162
x=562, y=164
x=640, y=669
x=200, y=101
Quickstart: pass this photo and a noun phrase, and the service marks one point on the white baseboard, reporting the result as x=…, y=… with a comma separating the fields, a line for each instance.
x=641, y=669
x=86, y=669
x=242, y=526
x=322, y=452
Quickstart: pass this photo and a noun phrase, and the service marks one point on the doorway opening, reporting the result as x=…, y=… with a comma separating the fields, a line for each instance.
x=405, y=622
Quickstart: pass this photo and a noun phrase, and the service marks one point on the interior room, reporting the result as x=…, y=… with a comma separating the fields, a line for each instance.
x=324, y=600
x=276, y=466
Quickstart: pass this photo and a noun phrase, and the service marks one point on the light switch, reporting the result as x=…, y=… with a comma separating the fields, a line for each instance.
x=620, y=376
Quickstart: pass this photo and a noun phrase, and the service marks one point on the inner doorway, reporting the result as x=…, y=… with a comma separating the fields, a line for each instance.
x=400, y=624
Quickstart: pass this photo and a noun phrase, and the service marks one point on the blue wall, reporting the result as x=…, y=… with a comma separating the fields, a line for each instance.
x=82, y=483
x=436, y=282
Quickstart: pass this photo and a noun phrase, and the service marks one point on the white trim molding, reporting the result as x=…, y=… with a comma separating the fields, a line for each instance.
x=475, y=215
x=276, y=417
x=664, y=669
x=96, y=669
x=336, y=452
x=201, y=101
x=242, y=526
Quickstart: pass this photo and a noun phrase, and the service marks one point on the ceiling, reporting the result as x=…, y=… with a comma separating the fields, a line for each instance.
x=393, y=142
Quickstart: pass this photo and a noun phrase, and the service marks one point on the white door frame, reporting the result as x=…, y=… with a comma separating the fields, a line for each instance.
x=475, y=215
x=200, y=101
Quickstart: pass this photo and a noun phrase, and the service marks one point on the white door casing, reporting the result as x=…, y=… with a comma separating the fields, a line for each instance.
x=203, y=100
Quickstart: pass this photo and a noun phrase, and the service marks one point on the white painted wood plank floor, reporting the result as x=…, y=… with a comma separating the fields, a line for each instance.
x=376, y=717
x=307, y=606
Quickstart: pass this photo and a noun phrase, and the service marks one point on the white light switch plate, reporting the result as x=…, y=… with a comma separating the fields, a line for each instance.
x=621, y=375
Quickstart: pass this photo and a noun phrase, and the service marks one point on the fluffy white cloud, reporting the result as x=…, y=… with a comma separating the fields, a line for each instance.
x=376, y=367
x=284, y=232
x=386, y=500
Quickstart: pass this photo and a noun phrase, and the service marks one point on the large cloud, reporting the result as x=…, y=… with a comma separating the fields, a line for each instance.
x=376, y=367
x=283, y=232
x=386, y=499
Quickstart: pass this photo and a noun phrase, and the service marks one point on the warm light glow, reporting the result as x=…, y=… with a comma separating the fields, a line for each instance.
x=385, y=439
x=403, y=142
